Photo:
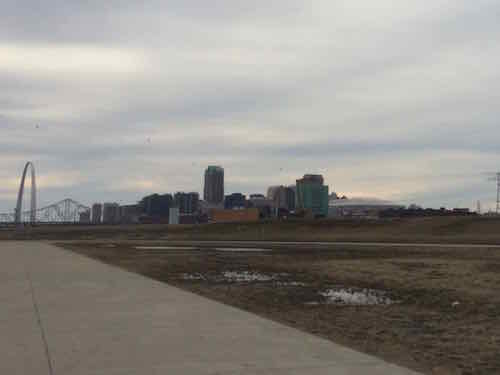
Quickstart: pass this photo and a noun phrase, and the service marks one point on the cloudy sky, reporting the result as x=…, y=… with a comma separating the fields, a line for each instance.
x=396, y=99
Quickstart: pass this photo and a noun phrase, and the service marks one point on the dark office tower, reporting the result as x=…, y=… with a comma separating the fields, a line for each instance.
x=157, y=205
x=213, y=192
x=187, y=202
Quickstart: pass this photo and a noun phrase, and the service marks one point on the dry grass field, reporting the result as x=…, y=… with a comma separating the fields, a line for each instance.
x=436, y=310
x=433, y=229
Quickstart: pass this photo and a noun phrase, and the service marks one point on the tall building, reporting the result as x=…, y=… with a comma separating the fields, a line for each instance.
x=96, y=213
x=187, y=202
x=213, y=191
x=111, y=213
x=312, y=195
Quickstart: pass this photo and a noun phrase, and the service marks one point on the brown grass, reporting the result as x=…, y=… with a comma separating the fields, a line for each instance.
x=426, y=330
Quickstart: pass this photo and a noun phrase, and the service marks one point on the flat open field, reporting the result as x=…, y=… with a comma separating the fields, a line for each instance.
x=485, y=230
x=435, y=310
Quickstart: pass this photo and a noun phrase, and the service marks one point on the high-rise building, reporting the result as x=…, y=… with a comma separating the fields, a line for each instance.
x=213, y=191
x=187, y=202
x=312, y=195
x=96, y=213
x=111, y=213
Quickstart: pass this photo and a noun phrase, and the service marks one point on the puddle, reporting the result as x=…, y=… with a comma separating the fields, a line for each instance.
x=164, y=248
x=290, y=283
x=194, y=276
x=241, y=249
x=246, y=276
x=351, y=296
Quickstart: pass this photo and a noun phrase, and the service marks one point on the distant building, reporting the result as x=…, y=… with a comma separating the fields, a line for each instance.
x=271, y=191
x=213, y=191
x=130, y=214
x=111, y=213
x=85, y=217
x=333, y=196
x=173, y=217
x=156, y=205
x=97, y=213
x=291, y=197
x=264, y=205
x=360, y=207
x=235, y=201
x=312, y=195
x=187, y=202
x=283, y=198
x=206, y=209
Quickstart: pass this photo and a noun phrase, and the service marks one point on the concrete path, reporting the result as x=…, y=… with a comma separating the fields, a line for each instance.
x=62, y=313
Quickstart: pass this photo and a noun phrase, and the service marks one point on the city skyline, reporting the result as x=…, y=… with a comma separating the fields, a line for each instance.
x=184, y=194
x=394, y=100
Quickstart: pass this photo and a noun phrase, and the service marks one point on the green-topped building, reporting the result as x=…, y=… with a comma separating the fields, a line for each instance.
x=312, y=195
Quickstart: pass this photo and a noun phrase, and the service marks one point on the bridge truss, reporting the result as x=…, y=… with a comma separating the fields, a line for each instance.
x=62, y=212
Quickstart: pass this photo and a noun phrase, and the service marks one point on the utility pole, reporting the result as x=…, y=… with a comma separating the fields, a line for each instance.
x=498, y=192
x=496, y=177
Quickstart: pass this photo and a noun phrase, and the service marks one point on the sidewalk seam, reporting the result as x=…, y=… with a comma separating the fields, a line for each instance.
x=40, y=324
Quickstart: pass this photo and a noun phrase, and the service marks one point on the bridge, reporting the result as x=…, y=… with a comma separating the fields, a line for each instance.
x=66, y=211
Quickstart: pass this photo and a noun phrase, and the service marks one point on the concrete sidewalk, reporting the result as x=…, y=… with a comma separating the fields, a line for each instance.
x=62, y=313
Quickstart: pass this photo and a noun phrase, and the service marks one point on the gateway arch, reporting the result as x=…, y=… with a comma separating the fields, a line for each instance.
x=19, y=206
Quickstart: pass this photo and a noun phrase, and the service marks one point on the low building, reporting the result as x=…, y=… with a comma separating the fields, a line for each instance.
x=173, y=217
x=85, y=217
x=206, y=208
x=111, y=213
x=360, y=207
x=283, y=198
x=97, y=213
x=235, y=201
x=231, y=216
x=264, y=205
x=130, y=214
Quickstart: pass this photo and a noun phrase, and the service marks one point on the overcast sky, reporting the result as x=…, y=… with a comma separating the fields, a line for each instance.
x=113, y=100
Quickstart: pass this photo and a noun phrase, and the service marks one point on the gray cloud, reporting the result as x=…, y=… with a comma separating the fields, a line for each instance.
x=140, y=97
